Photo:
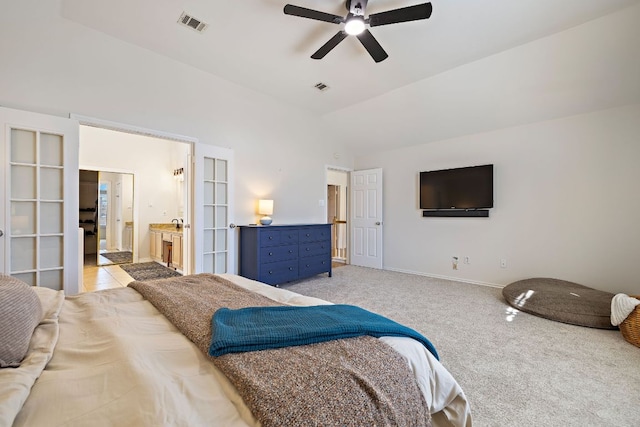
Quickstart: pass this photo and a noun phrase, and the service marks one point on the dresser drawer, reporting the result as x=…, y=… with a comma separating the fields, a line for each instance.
x=314, y=265
x=278, y=237
x=315, y=234
x=279, y=272
x=278, y=253
x=315, y=248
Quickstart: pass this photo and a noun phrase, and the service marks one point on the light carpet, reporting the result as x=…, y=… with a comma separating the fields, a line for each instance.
x=515, y=368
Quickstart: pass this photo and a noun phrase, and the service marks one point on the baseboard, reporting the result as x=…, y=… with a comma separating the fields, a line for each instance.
x=455, y=279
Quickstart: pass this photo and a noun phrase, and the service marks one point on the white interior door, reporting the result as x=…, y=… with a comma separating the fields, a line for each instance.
x=39, y=185
x=366, y=218
x=214, y=233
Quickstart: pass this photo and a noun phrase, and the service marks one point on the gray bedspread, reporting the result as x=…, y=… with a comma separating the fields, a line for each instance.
x=348, y=382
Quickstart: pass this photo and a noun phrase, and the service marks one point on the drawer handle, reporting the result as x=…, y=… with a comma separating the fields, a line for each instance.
x=308, y=234
x=307, y=265
x=270, y=253
x=290, y=268
x=324, y=262
x=270, y=271
x=290, y=251
x=270, y=237
x=308, y=249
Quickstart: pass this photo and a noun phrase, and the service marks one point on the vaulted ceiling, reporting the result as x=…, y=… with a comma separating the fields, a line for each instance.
x=255, y=45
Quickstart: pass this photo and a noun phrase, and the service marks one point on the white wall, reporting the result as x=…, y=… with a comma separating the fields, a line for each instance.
x=590, y=67
x=58, y=67
x=566, y=204
x=566, y=167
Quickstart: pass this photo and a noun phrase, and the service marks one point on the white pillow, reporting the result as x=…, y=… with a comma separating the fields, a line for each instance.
x=20, y=313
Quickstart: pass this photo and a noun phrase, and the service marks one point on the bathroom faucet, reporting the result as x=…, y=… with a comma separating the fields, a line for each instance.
x=178, y=225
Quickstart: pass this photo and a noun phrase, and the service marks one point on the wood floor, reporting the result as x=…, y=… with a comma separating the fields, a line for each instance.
x=96, y=278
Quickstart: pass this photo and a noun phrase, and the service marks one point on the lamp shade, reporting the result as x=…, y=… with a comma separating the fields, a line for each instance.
x=265, y=207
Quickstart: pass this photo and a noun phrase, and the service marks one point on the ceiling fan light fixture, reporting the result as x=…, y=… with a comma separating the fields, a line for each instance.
x=354, y=26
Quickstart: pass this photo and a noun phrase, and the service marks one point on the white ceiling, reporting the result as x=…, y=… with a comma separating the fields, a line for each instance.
x=253, y=44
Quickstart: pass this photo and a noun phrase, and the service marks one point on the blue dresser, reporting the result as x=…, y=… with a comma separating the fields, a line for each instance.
x=276, y=254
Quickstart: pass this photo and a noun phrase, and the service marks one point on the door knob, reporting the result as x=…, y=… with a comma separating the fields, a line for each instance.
x=378, y=223
x=232, y=225
x=1, y=233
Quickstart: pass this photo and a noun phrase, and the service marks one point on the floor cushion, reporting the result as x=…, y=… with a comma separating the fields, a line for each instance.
x=562, y=301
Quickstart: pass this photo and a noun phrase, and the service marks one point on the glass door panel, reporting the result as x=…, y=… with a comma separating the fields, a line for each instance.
x=40, y=243
x=51, y=215
x=213, y=233
x=23, y=146
x=51, y=183
x=208, y=241
x=23, y=251
x=23, y=182
x=37, y=226
x=221, y=217
x=51, y=279
x=221, y=240
x=51, y=149
x=50, y=253
x=23, y=218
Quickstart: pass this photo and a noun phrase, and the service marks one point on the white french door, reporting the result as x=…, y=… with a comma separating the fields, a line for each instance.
x=366, y=218
x=39, y=185
x=214, y=231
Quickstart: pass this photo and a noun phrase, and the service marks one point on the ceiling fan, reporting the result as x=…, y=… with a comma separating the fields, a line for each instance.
x=355, y=24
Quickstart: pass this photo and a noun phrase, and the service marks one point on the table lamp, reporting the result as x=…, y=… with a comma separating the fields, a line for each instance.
x=265, y=207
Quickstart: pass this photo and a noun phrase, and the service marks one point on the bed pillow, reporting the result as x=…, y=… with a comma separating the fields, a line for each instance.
x=20, y=313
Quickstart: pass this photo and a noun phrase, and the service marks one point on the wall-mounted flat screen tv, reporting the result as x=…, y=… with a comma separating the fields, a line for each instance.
x=460, y=188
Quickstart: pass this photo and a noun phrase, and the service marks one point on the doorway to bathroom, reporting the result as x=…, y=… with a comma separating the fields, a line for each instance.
x=337, y=204
x=106, y=206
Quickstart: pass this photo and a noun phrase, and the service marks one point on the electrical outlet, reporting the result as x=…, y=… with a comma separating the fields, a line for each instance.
x=454, y=262
x=467, y=260
x=503, y=263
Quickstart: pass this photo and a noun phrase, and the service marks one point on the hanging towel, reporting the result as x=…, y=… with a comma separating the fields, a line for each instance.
x=622, y=305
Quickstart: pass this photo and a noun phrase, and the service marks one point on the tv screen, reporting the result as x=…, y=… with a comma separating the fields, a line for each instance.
x=461, y=188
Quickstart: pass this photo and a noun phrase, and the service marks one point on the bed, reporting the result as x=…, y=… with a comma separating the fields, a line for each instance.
x=111, y=358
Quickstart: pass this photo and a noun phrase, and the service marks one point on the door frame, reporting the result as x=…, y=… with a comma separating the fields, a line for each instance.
x=136, y=204
x=348, y=199
x=153, y=133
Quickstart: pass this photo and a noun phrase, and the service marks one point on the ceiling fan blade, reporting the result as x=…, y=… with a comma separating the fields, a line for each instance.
x=326, y=48
x=405, y=14
x=373, y=47
x=303, y=12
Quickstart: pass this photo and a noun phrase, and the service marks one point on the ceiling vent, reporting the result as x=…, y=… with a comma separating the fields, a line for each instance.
x=191, y=22
x=321, y=86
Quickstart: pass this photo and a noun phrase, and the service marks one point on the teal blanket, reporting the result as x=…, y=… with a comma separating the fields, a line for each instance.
x=261, y=328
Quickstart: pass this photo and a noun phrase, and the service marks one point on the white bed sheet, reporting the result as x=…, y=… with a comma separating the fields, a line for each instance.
x=118, y=361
